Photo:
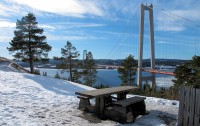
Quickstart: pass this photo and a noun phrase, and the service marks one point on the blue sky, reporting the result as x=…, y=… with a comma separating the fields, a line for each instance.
x=108, y=28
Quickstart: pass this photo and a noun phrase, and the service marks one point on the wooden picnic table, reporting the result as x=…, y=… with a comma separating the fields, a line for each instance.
x=101, y=95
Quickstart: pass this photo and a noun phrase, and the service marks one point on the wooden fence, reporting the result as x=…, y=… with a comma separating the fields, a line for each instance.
x=189, y=107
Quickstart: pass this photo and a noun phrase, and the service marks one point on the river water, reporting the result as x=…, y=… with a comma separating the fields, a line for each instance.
x=110, y=77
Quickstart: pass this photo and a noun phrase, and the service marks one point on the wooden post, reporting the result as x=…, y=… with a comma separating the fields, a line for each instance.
x=102, y=105
x=120, y=114
x=97, y=105
x=186, y=107
x=181, y=107
x=84, y=103
x=197, y=109
x=192, y=106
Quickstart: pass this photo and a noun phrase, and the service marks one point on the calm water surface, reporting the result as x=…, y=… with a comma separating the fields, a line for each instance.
x=110, y=77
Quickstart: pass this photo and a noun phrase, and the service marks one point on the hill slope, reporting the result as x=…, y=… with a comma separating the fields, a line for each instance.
x=34, y=100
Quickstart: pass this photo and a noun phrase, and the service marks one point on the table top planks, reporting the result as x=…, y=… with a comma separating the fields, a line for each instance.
x=106, y=91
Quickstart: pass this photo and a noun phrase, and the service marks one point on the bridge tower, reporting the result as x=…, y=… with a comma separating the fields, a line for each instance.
x=84, y=56
x=151, y=78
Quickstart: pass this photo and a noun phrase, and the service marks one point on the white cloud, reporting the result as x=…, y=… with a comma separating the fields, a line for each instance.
x=4, y=10
x=46, y=26
x=86, y=24
x=71, y=37
x=180, y=42
x=10, y=9
x=6, y=30
x=118, y=10
x=193, y=14
x=67, y=25
x=176, y=15
x=76, y=8
x=6, y=24
x=166, y=21
x=168, y=27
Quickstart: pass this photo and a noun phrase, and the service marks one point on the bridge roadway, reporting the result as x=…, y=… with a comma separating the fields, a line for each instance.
x=158, y=72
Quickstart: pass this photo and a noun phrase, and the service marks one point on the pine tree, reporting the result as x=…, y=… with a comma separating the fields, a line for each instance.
x=76, y=76
x=188, y=74
x=127, y=71
x=57, y=75
x=44, y=73
x=37, y=72
x=28, y=42
x=89, y=70
x=69, y=61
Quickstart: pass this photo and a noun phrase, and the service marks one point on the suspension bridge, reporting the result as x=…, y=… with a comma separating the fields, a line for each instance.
x=162, y=35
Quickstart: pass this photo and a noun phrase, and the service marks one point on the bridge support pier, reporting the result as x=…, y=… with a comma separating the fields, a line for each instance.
x=141, y=36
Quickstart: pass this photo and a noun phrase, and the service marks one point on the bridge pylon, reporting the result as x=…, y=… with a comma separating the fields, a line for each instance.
x=151, y=78
x=84, y=57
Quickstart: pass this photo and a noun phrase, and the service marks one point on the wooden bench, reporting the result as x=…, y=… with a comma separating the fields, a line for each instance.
x=122, y=110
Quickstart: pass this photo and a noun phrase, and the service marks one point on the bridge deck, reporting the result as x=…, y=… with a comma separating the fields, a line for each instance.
x=158, y=72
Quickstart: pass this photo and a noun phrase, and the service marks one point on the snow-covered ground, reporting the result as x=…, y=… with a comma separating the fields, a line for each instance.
x=32, y=100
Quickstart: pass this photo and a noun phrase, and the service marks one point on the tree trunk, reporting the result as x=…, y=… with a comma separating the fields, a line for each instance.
x=90, y=77
x=31, y=60
x=129, y=77
x=31, y=65
x=30, y=53
x=70, y=68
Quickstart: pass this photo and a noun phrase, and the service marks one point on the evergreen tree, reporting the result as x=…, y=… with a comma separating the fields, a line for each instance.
x=44, y=73
x=37, y=72
x=188, y=74
x=89, y=70
x=76, y=76
x=69, y=61
x=57, y=75
x=28, y=42
x=127, y=71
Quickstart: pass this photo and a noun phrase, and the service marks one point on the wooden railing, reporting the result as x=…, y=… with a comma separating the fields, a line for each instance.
x=189, y=107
